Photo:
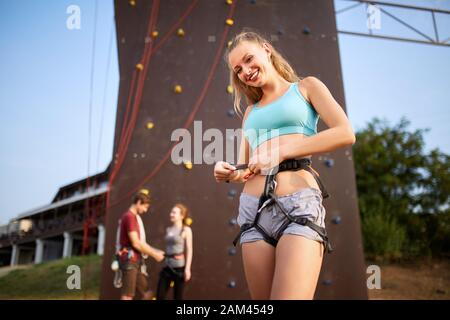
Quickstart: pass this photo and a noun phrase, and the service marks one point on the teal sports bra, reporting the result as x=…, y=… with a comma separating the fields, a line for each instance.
x=288, y=114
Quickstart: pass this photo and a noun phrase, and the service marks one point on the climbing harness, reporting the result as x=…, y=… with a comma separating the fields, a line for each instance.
x=268, y=198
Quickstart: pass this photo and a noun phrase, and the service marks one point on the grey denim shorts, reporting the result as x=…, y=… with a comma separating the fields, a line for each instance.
x=306, y=202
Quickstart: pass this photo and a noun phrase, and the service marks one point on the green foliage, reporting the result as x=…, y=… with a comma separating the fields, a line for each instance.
x=384, y=238
x=403, y=193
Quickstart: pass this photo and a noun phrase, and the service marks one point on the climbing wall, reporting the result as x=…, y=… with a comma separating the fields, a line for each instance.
x=171, y=74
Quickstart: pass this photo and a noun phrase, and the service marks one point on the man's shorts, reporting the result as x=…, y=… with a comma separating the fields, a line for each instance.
x=133, y=279
x=306, y=202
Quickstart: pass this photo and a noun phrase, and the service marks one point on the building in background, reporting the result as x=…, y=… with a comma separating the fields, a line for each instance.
x=72, y=224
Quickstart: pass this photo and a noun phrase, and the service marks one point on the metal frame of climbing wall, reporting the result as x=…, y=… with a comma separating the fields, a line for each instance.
x=154, y=58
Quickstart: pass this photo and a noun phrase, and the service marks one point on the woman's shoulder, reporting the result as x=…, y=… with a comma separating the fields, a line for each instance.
x=309, y=80
x=308, y=85
x=186, y=230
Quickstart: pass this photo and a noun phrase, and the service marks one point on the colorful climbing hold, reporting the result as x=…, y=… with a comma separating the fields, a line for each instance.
x=180, y=32
x=188, y=221
x=188, y=165
x=178, y=89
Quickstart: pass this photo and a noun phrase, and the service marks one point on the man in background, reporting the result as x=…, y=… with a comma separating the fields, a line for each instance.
x=133, y=249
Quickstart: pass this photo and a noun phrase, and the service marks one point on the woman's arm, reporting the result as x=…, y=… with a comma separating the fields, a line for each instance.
x=145, y=248
x=339, y=134
x=189, y=253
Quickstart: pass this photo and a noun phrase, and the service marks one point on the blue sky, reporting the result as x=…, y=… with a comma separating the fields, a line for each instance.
x=45, y=80
x=44, y=99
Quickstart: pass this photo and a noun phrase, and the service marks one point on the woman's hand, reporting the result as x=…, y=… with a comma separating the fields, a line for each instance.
x=263, y=160
x=224, y=171
x=187, y=275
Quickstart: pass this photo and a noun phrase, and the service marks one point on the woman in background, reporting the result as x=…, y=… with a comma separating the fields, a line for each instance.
x=178, y=259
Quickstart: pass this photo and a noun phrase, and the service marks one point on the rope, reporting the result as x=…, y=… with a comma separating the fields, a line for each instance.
x=123, y=145
x=104, y=95
x=125, y=135
x=91, y=89
x=189, y=120
x=87, y=221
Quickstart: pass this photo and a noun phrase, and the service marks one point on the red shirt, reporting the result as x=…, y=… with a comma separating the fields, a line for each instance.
x=128, y=224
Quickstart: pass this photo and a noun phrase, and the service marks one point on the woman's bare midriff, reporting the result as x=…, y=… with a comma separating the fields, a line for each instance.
x=287, y=181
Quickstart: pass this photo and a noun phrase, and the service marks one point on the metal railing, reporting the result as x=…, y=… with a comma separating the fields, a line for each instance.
x=425, y=39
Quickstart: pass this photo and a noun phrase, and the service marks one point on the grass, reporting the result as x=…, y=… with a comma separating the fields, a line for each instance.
x=49, y=280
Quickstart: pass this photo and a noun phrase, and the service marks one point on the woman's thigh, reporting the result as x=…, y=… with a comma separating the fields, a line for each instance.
x=259, y=264
x=297, y=269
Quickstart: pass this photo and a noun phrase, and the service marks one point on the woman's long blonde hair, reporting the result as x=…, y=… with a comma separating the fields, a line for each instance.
x=240, y=89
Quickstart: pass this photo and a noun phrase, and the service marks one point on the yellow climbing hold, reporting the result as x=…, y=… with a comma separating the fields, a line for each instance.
x=188, y=221
x=140, y=66
x=180, y=32
x=155, y=33
x=172, y=283
x=229, y=22
x=178, y=89
x=150, y=125
x=132, y=3
x=145, y=191
x=230, y=89
x=229, y=1
x=188, y=165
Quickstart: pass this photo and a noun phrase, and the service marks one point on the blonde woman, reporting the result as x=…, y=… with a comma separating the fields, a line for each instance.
x=281, y=215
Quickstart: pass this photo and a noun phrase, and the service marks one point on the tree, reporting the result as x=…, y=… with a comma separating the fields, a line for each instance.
x=403, y=192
